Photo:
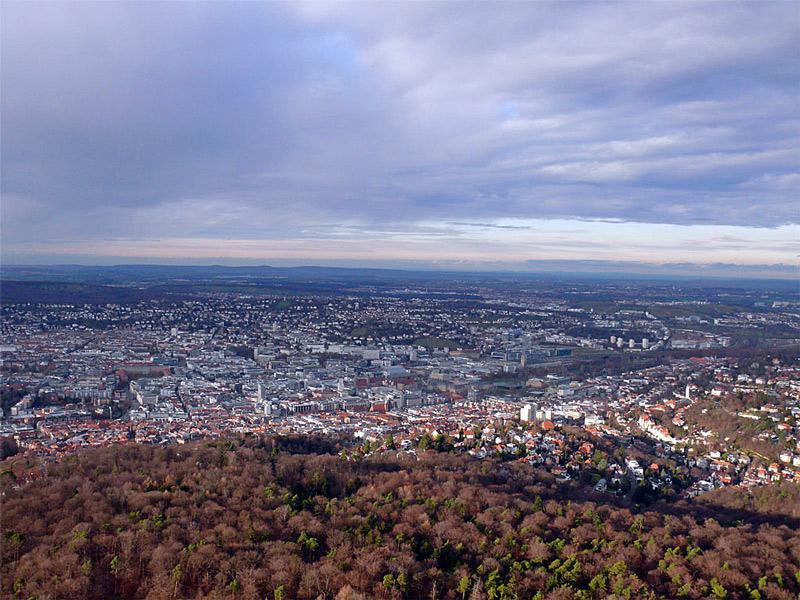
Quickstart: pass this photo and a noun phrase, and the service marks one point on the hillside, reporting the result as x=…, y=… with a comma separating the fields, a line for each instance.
x=291, y=518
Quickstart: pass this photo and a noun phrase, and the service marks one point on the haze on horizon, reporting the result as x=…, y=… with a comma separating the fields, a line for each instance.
x=414, y=133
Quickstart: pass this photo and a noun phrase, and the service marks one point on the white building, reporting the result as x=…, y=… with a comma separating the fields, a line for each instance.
x=527, y=412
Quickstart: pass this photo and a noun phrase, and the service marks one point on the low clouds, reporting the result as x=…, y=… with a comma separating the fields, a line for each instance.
x=276, y=121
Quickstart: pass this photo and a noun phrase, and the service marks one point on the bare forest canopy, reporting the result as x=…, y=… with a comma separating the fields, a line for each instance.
x=283, y=518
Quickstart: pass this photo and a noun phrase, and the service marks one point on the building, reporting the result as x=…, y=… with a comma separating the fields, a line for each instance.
x=527, y=413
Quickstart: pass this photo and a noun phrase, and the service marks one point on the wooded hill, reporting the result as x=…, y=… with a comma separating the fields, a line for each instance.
x=290, y=518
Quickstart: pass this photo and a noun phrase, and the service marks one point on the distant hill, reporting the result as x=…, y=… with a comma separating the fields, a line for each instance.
x=56, y=292
x=564, y=271
x=133, y=283
x=289, y=518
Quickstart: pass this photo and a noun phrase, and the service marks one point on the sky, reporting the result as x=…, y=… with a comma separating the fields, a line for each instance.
x=449, y=133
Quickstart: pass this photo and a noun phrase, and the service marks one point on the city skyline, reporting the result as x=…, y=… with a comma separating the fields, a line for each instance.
x=436, y=135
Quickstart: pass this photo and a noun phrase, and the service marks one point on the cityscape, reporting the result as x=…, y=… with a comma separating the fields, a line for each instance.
x=399, y=300
x=611, y=384
x=646, y=396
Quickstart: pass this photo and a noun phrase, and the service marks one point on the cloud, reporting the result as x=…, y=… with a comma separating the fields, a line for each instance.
x=276, y=121
x=489, y=225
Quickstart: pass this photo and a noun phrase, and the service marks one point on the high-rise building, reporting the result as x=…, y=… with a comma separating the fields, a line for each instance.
x=527, y=412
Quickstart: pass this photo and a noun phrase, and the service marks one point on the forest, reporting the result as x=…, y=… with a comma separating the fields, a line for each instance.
x=283, y=518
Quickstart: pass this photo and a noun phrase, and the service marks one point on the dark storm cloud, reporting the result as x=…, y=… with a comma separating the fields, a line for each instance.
x=250, y=120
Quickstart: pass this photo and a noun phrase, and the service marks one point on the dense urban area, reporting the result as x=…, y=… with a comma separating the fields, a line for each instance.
x=619, y=395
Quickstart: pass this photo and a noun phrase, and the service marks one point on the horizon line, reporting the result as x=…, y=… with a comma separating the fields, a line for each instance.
x=595, y=268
